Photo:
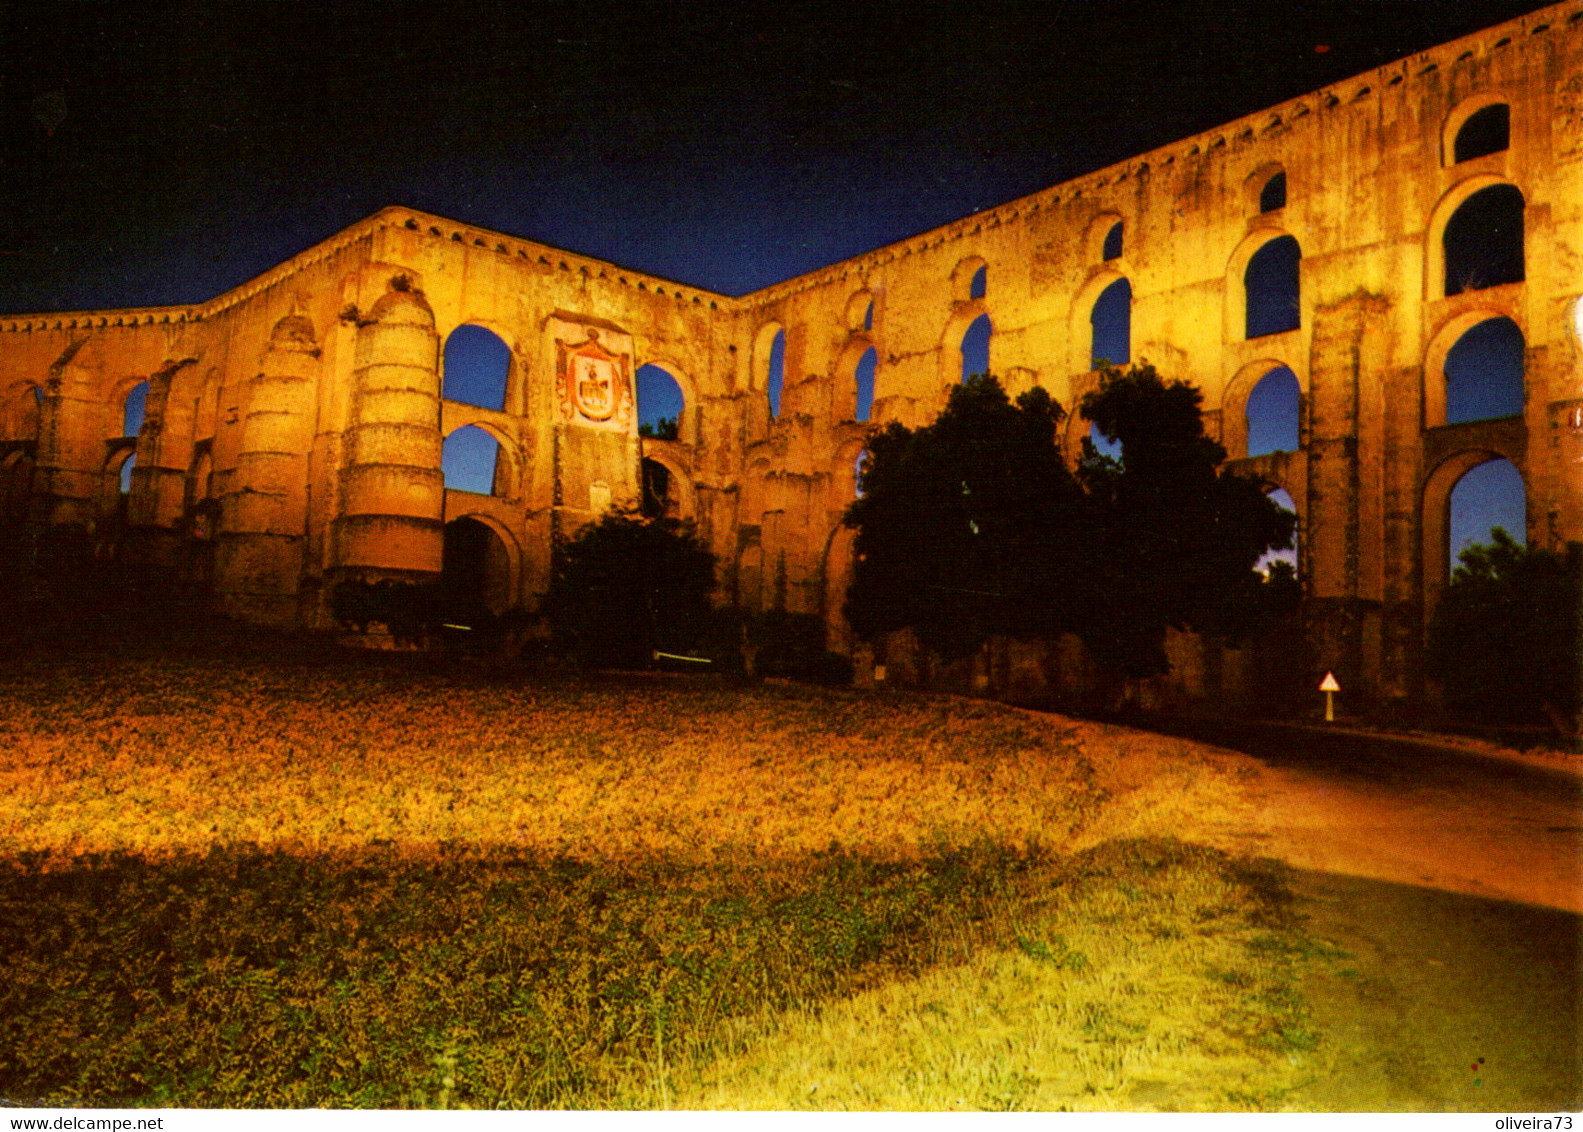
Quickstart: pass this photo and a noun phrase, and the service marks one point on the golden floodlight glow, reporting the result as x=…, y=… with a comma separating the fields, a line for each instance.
x=298, y=451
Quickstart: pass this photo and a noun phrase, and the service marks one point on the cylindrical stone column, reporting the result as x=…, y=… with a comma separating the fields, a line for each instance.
x=264, y=514
x=392, y=489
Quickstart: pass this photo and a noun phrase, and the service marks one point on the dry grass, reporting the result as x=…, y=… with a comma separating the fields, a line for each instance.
x=428, y=890
x=168, y=758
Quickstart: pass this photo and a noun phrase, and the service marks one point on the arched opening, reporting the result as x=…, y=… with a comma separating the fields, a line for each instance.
x=1483, y=240
x=868, y=316
x=1484, y=373
x=1274, y=300
x=1111, y=320
x=1265, y=565
x=470, y=460
x=775, y=379
x=657, y=501
x=124, y=478
x=864, y=378
x=838, y=564
x=660, y=403
x=200, y=515
x=133, y=408
x=1484, y=132
x=859, y=468
x=975, y=347
x=1113, y=238
x=969, y=279
x=1486, y=496
x=1272, y=413
x=206, y=407
x=1273, y=194
x=475, y=572
x=477, y=365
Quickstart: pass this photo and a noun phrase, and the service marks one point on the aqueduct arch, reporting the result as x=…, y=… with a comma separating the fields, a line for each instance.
x=687, y=423
x=1234, y=402
x=1441, y=344
x=1436, y=508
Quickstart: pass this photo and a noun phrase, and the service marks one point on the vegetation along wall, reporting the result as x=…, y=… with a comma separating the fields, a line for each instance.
x=1355, y=245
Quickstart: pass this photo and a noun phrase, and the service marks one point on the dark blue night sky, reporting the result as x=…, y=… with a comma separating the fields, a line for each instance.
x=162, y=153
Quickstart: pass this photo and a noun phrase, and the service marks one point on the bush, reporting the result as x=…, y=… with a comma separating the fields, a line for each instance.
x=964, y=526
x=412, y=611
x=792, y=646
x=1504, y=642
x=625, y=588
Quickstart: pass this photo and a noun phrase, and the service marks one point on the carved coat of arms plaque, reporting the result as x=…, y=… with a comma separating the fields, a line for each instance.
x=595, y=384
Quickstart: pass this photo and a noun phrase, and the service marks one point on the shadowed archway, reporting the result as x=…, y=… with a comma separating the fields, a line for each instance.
x=475, y=572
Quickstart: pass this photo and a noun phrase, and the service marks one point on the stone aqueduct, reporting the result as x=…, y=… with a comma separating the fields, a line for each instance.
x=293, y=426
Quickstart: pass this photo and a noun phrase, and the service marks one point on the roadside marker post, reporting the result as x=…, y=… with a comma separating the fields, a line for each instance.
x=1329, y=687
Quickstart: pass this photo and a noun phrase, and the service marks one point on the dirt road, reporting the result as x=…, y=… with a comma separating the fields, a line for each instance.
x=1453, y=882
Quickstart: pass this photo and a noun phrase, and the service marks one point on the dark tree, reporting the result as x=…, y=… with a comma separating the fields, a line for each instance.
x=1505, y=640
x=625, y=587
x=966, y=526
x=1173, y=536
x=666, y=428
x=972, y=527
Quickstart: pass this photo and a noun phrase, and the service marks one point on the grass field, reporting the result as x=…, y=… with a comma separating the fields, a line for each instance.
x=272, y=885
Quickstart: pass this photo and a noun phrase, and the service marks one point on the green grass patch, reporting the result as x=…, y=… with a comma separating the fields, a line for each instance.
x=269, y=980
x=266, y=980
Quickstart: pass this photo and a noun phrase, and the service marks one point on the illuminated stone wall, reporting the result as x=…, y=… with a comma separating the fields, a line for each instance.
x=294, y=425
x=1371, y=183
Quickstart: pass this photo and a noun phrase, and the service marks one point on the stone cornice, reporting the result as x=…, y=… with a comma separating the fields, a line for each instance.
x=541, y=257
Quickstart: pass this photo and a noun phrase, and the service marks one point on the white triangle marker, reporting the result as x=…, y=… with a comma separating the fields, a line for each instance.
x=1329, y=686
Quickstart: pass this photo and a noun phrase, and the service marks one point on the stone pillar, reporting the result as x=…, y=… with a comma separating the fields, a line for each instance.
x=1401, y=657
x=1562, y=511
x=168, y=442
x=391, y=520
x=264, y=514
x=154, y=508
x=1344, y=530
x=68, y=472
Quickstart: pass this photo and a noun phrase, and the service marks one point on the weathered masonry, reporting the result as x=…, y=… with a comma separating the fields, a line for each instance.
x=290, y=433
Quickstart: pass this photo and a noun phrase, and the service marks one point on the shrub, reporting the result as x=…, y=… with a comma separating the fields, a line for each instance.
x=1504, y=642
x=624, y=588
x=792, y=646
x=411, y=611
